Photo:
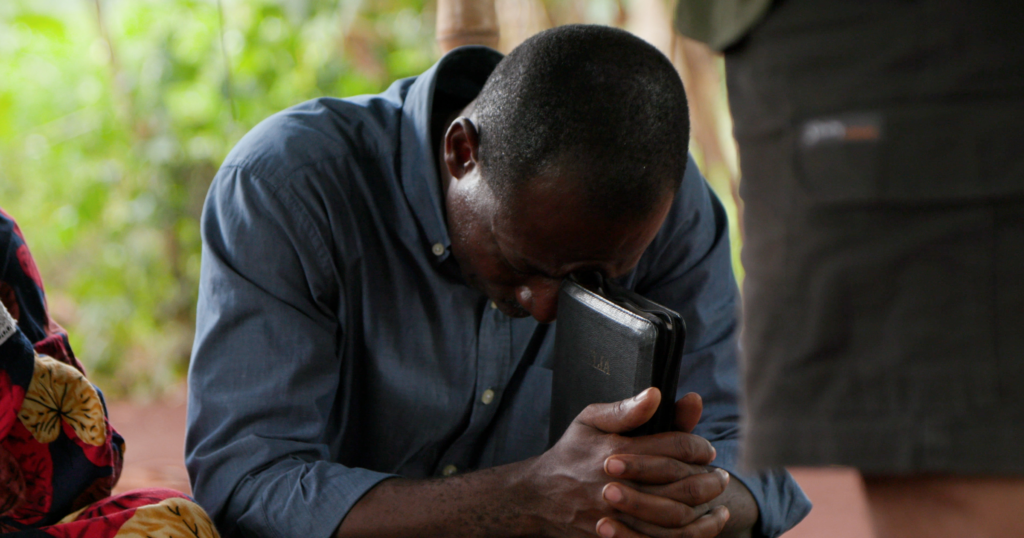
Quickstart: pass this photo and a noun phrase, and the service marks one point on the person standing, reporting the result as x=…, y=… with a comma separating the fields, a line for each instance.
x=884, y=297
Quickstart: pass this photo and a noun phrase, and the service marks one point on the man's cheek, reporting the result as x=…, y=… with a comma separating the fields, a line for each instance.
x=497, y=276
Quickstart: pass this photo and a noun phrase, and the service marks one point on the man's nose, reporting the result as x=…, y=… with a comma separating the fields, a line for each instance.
x=540, y=298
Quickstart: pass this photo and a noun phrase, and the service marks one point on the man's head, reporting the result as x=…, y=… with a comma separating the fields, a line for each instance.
x=568, y=160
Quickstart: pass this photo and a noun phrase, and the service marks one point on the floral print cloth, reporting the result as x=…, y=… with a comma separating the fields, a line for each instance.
x=59, y=455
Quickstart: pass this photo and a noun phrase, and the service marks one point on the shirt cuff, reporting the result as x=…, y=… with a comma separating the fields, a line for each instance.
x=308, y=500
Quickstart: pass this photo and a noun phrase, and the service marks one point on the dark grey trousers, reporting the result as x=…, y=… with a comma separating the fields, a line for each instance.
x=882, y=149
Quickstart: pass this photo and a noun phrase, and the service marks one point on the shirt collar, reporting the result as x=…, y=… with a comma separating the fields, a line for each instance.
x=461, y=70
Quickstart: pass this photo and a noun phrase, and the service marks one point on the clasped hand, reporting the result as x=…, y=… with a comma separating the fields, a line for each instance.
x=596, y=480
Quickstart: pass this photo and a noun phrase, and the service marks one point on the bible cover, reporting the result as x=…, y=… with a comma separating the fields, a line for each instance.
x=611, y=344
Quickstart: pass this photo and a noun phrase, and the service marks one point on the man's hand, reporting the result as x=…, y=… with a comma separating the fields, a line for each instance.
x=594, y=479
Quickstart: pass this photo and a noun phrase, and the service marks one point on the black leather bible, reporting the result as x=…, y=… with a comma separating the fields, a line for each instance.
x=611, y=344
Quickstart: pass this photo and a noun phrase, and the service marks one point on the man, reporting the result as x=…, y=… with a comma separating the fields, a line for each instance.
x=884, y=194
x=378, y=275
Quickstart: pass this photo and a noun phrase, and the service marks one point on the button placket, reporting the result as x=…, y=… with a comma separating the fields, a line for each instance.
x=492, y=365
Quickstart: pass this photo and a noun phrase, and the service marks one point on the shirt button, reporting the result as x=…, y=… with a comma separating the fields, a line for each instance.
x=494, y=305
x=487, y=397
x=437, y=249
x=449, y=470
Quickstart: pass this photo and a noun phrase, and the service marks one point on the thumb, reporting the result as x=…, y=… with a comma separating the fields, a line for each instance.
x=688, y=411
x=621, y=416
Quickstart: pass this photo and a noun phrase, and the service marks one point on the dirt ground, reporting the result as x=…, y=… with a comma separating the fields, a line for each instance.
x=154, y=435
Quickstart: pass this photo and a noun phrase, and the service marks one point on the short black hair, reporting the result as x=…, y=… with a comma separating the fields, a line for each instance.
x=592, y=99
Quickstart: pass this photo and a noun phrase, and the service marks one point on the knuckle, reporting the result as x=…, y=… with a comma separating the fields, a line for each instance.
x=678, y=470
x=586, y=416
x=682, y=445
x=605, y=447
x=591, y=410
x=693, y=489
x=688, y=446
x=620, y=408
x=639, y=467
x=687, y=470
x=617, y=444
x=683, y=516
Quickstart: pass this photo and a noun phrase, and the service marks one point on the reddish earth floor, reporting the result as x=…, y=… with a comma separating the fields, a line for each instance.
x=155, y=434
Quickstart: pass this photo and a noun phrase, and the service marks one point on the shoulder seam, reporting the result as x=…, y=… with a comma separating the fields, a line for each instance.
x=289, y=200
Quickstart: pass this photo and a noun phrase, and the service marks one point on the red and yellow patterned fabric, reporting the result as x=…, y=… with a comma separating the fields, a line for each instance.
x=59, y=456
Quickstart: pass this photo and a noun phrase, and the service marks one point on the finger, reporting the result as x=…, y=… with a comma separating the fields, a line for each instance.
x=611, y=528
x=624, y=415
x=693, y=490
x=653, y=509
x=709, y=525
x=685, y=447
x=650, y=469
x=688, y=411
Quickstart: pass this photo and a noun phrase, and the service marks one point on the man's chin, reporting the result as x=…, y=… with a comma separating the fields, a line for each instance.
x=512, y=310
x=508, y=307
x=518, y=314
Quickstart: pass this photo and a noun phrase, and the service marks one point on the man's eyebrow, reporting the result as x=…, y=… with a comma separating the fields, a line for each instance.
x=524, y=265
x=533, y=268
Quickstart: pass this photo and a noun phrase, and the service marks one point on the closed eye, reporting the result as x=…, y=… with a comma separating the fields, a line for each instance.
x=515, y=269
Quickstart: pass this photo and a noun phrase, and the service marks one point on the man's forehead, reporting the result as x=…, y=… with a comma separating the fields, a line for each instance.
x=555, y=235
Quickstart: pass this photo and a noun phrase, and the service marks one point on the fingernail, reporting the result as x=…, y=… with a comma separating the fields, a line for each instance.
x=605, y=529
x=615, y=466
x=640, y=397
x=713, y=453
x=723, y=474
x=612, y=494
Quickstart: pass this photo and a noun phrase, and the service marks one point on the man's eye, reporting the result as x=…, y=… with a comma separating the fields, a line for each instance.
x=592, y=280
x=515, y=269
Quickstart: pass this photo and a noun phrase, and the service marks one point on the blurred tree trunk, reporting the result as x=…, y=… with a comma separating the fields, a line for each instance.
x=710, y=119
x=466, y=22
x=520, y=19
x=702, y=73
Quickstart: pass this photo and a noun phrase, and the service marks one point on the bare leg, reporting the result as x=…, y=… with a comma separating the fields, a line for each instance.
x=940, y=506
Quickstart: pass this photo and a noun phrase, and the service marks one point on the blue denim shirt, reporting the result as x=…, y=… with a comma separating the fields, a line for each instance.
x=337, y=345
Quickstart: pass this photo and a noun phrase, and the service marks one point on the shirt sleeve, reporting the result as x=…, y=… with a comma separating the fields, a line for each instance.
x=265, y=367
x=688, y=267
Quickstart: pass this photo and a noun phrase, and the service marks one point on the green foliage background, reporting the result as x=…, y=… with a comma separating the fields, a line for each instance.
x=114, y=116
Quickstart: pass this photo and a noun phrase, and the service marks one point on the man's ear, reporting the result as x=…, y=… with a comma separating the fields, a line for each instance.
x=461, y=147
